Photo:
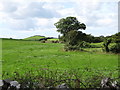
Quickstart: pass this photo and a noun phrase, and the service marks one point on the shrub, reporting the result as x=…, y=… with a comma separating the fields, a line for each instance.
x=69, y=47
x=79, y=46
x=84, y=44
x=43, y=41
x=115, y=48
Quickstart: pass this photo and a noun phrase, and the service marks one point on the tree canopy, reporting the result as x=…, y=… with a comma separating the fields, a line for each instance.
x=67, y=24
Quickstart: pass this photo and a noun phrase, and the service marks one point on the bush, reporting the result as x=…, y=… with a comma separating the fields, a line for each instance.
x=84, y=44
x=79, y=46
x=115, y=48
x=43, y=41
x=69, y=47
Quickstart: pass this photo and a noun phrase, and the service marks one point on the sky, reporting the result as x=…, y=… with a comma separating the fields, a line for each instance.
x=23, y=18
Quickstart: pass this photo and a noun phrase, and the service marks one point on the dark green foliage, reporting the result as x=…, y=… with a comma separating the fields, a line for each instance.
x=43, y=41
x=93, y=39
x=84, y=44
x=78, y=46
x=74, y=40
x=73, y=37
x=116, y=37
x=67, y=24
x=69, y=27
x=97, y=40
x=69, y=47
x=106, y=43
x=115, y=48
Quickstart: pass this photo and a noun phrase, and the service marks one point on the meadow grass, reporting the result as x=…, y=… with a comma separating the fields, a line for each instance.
x=54, y=39
x=97, y=44
x=31, y=60
x=31, y=55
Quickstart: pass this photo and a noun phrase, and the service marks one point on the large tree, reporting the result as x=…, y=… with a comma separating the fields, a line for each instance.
x=69, y=27
x=67, y=24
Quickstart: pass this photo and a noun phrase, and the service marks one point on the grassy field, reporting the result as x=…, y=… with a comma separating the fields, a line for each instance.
x=22, y=56
x=54, y=39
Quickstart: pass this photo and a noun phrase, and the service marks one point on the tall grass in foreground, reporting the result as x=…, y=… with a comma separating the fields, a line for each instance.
x=74, y=78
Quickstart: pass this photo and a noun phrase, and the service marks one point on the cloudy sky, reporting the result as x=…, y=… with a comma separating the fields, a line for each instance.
x=24, y=18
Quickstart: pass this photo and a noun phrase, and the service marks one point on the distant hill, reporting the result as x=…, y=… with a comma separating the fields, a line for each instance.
x=34, y=38
x=39, y=38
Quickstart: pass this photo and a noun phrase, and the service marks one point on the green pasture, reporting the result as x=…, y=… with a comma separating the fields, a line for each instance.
x=54, y=39
x=22, y=56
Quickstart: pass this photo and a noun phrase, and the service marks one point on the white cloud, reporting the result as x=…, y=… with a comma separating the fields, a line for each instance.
x=33, y=9
x=98, y=14
x=106, y=21
x=42, y=22
x=67, y=12
x=23, y=17
x=34, y=16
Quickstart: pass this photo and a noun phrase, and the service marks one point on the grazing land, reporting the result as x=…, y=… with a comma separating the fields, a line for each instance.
x=23, y=56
